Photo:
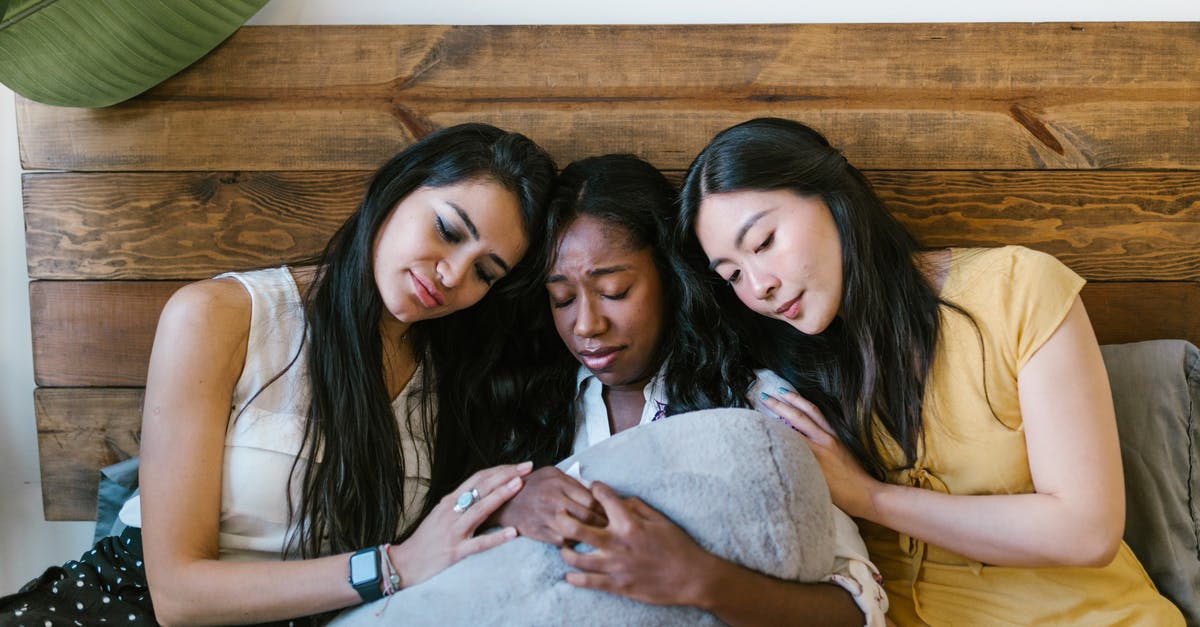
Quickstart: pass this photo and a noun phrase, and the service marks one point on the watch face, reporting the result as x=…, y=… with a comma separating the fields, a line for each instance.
x=363, y=568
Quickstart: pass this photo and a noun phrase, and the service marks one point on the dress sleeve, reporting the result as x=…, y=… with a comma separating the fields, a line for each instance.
x=853, y=571
x=1041, y=290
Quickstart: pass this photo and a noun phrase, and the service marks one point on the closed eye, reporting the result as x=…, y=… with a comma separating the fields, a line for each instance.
x=487, y=277
x=559, y=304
x=446, y=232
x=620, y=296
x=733, y=277
x=766, y=243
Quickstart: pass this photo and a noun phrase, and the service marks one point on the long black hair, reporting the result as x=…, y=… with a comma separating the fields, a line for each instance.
x=702, y=358
x=355, y=497
x=874, y=359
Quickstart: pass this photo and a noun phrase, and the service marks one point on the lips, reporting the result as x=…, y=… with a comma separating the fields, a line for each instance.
x=429, y=295
x=790, y=309
x=598, y=359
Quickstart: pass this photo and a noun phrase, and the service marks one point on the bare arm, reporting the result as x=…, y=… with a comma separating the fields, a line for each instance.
x=1074, y=457
x=199, y=351
x=644, y=556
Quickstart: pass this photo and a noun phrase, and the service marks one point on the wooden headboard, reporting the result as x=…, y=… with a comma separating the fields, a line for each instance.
x=1082, y=140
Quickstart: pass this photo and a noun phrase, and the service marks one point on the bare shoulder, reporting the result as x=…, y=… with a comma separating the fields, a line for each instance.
x=215, y=309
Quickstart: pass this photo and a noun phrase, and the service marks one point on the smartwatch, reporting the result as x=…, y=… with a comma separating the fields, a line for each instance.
x=364, y=574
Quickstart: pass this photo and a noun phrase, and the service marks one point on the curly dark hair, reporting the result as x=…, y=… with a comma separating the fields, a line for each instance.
x=701, y=356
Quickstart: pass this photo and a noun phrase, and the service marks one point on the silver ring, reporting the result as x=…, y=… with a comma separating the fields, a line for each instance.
x=466, y=500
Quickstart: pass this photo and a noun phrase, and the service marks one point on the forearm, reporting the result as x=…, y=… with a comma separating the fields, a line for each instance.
x=212, y=592
x=1025, y=530
x=740, y=597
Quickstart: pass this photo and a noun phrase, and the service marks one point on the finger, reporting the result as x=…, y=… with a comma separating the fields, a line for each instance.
x=797, y=418
x=591, y=516
x=489, y=479
x=485, y=541
x=579, y=513
x=615, y=508
x=559, y=527
x=578, y=492
x=594, y=581
x=598, y=511
x=592, y=562
x=808, y=407
x=639, y=507
x=479, y=511
x=570, y=527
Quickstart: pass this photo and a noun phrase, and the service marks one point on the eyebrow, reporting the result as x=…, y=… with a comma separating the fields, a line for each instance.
x=559, y=278
x=462, y=215
x=741, y=235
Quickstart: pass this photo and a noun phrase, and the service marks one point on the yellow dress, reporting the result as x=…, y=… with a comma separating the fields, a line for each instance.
x=1018, y=297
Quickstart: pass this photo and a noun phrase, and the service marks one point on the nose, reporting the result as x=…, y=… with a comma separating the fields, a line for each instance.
x=589, y=321
x=450, y=272
x=762, y=283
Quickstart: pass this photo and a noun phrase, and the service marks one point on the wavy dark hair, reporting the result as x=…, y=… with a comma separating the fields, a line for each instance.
x=703, y=359
x=355, y=497
x=874, y=359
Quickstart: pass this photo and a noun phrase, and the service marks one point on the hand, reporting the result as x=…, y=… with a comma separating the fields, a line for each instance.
x=850, y=487
x=547, y=492
x=641, y=554
x=446, y=536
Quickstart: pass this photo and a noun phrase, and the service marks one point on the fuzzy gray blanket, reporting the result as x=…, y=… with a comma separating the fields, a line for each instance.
x=742, y=484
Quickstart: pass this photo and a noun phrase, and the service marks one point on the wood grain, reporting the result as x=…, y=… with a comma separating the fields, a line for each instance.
x=94, y=333
x=962, y=96
x=79, y=432
x=1108, y=226
x=99, y=333
x=1133, y=312
x=180, y=226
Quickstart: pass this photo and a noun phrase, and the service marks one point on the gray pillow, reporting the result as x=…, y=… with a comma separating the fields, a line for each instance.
x=1156, y=392
x=742, y=484
x=118, y=483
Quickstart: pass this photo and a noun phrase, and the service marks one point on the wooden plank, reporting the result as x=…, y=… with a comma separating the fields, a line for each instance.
x=79, y=432
x=1108, y=226
x=94, y=333
x=99, y=333
x=180, y=226
x=347, y=97
x=1132, y=312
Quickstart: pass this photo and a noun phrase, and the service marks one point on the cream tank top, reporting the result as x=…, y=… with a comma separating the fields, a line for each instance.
x=266, y=428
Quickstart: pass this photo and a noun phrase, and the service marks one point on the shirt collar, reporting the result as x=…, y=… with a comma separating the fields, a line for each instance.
x=655, y=390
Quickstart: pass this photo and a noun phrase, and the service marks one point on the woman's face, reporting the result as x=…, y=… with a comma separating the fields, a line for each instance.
x=441, y=248
x=780, y=251
x=607, y=302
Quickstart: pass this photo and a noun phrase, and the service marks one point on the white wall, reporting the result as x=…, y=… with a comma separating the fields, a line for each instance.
x=28, y=544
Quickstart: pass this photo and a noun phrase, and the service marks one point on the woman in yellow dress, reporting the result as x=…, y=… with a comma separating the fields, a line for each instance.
x=956, y=399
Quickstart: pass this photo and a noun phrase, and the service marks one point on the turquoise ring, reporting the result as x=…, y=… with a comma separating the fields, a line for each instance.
x=465, y=500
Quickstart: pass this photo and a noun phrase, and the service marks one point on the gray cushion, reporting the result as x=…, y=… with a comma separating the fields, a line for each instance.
x=743, y=485
x=1156, y=391
x=118, y=483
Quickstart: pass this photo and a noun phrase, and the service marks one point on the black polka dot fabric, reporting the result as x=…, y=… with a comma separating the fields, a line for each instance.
x=106, y=586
